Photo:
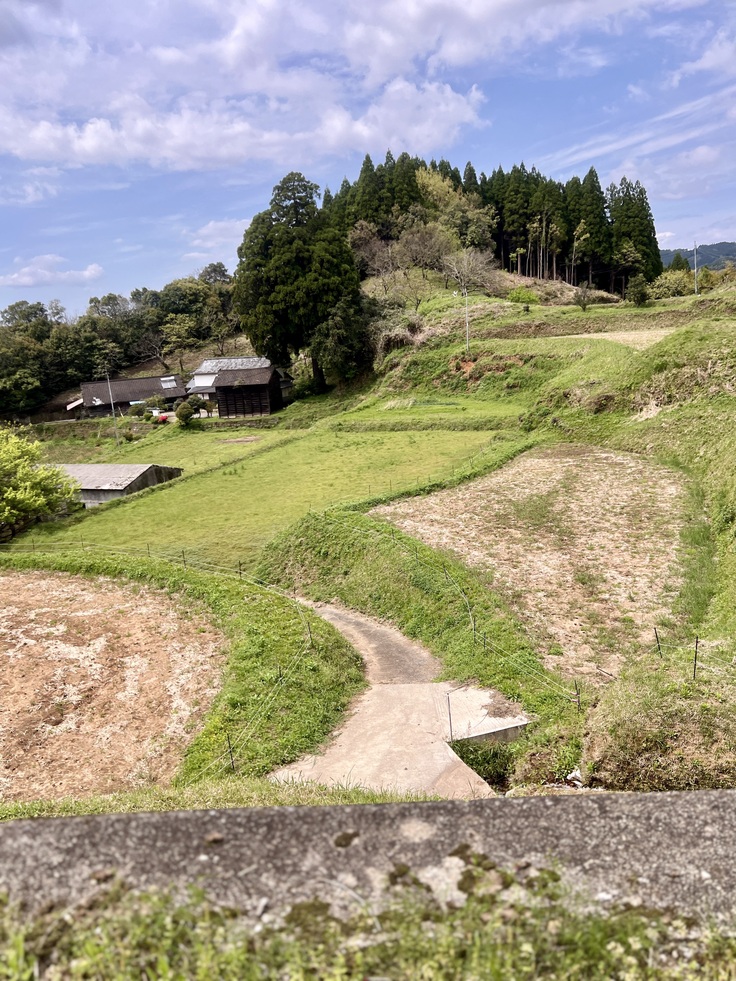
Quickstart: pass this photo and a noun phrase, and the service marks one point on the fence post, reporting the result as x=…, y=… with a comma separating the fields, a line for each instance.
x=184, y=558
x=695, y=661
x=659, y=646
x=230, y=750
x=449, y=713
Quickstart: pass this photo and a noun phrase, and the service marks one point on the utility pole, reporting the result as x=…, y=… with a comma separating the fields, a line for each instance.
x=696, y=267
x=112, y=406
x=467, y=322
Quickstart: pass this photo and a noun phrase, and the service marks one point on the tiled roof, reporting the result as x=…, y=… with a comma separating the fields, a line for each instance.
x=213, y=365
x=131, y=390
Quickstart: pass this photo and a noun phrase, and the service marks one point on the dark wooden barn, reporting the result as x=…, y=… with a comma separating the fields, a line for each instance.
x=248, y=392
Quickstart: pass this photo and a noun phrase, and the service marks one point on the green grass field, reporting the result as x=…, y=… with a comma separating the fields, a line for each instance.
x=227, y=515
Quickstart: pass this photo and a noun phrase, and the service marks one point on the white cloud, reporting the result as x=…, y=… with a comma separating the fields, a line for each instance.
x=213, y=83
x=719, y=57
x=686, y=123
x=26, y=192
x=45, y=270
x=227, y=233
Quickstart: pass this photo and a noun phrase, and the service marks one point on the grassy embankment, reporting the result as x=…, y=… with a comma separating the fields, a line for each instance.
x=656, y=727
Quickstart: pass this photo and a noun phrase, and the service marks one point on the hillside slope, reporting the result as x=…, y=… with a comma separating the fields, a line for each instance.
x=650, y=391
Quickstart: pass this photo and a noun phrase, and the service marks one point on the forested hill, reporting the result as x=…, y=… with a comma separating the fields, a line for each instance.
x=297, y=286
x=534, y=225
x=714, y=256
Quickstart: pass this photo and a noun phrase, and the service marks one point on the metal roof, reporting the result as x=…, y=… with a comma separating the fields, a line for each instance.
x=214, y=365
x=201, y=389
x=104, y=476
x=246, y=376
x=132, y=389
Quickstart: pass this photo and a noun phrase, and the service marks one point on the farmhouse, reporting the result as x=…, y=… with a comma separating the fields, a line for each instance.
x=101, y=482
x=95, y=398
x=241, y=386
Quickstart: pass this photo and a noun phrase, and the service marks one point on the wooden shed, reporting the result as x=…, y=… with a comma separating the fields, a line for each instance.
x=102, y=482
x=248, y=392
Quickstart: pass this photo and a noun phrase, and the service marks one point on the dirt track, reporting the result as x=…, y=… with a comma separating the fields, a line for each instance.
x=102, y=684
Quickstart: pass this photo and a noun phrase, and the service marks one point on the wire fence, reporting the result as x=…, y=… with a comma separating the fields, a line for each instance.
x=525, y=666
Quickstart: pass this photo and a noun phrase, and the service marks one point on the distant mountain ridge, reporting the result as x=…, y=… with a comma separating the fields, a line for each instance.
x=714, y=256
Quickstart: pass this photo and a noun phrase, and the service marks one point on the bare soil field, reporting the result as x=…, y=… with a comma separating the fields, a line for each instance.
x=102, y=684
x=581, y=541
x=657, y=323
x=638, y=339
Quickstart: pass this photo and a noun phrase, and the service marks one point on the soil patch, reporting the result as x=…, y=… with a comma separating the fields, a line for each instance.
x=102, y=684
x=241, y=439
x=638, y=339
x=582, y=542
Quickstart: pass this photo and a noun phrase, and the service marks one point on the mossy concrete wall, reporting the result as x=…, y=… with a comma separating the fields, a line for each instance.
x=664, y=850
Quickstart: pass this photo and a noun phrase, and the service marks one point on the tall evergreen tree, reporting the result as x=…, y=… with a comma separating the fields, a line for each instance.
x=493, y=194
x=295, y=267
x=470, y=180
x=517, y=215
x=632, y=222
x=405, y=189
x=364, y=202
x=598, y=248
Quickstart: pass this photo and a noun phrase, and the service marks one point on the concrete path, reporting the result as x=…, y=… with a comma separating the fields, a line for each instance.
x=397, y=734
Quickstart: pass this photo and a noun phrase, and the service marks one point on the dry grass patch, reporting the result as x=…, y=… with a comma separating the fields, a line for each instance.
x=582, y=541
x=101, y=687
x=638, y=339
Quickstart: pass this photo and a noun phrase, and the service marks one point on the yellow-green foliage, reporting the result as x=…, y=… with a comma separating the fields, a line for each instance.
x=29, y=490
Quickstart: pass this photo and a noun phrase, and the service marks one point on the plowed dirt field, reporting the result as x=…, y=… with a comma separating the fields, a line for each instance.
x=102, y=684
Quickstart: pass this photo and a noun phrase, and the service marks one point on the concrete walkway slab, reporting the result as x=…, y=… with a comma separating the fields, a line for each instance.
x=397, y=735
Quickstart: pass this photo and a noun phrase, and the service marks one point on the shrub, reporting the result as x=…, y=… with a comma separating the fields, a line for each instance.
x=522, y=294
x=582, y=296
x=672, y=283
x=637, y=292
x=184, y=414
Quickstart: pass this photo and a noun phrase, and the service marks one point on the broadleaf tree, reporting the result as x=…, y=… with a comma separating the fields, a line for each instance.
x=29, y=490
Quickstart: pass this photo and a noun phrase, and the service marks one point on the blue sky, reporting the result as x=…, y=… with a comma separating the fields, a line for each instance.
x=138, y=139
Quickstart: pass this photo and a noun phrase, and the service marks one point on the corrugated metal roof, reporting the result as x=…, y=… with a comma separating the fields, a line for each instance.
x=214, y=365
x=131, y=390
x=201, y=389
x=104, y=476
x=247, y=376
